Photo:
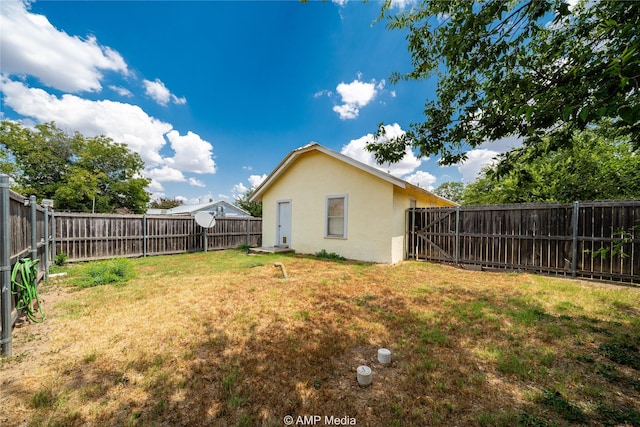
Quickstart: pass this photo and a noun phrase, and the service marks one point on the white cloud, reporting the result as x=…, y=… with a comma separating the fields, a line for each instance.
x=421, y=179
x=483, y=155
x=155, y=187
x=502, y=145
x=256, y=180
x=195, y=182
x=356, y=150
x=125, y=123
x=347, y=111
x=356, y=95
x=476, y=160
x=121, y=91
x=402, y=4
x=239, y=189
x=192, y=153
x=157, y=195
x=31, y=45
x=398, y=4
x=165, y=174
x=122, y=122
x=159, y=93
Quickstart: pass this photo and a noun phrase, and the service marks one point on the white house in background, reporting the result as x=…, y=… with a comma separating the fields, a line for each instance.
x=218, y=209
x=317, y=198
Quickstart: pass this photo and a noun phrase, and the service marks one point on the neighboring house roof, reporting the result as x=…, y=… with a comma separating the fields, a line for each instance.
x=192, y=209
x=295, y=154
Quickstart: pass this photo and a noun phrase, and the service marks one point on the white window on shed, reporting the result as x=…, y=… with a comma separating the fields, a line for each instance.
x=336, y=217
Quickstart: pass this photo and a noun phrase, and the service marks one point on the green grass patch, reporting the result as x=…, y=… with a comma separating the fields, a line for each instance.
x=610, y=416
x=434, y=336
x=555, y=401
x=509, y=363
x=98, y=273
x=622, y=350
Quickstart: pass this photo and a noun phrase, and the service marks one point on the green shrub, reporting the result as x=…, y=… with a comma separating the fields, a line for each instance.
x=60, y=259
x=244, y=248
x=105, y=272
x=323, y=254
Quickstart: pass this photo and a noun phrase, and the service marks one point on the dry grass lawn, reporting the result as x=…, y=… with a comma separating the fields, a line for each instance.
x=222, y=339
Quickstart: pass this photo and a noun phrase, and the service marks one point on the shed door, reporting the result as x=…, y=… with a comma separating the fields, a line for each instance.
x=283, y=232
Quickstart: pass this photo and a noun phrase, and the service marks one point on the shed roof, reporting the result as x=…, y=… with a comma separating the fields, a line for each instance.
x=191, y=209
x=314, y=146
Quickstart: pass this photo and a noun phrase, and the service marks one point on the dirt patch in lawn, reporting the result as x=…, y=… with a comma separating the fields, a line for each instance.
x=223, y=339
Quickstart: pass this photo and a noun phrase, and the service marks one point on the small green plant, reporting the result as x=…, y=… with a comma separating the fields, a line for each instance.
x=621, y=237
x=301, y=315
x=105, y=272
x=230, y=379
x=43, y=399
x=323, y=254
x=244, y=420
x=244, y=248
x=60, y=259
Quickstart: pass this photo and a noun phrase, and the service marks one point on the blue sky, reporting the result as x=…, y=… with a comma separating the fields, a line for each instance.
x=213, y=94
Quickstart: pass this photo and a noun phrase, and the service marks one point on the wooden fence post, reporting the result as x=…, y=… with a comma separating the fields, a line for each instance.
x=249, y=231
x=144, y=235
x=46, y=242
x=457, y=246
x=34, y=228
x=53, y=235
x=574, y=243
x=204, y=239
x=5, y=266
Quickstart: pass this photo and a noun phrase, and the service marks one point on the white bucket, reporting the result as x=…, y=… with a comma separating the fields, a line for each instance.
x=384, y=356
x=364, y=375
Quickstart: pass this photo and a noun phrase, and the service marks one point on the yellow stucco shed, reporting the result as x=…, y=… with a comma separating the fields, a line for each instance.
x=317, y=198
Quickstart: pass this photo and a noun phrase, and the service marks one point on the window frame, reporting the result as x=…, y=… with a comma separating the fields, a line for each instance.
x=345, y=199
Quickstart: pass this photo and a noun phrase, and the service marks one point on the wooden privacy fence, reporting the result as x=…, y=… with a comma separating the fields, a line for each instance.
x=25, y=232
x=588, y=239
x=85, y=237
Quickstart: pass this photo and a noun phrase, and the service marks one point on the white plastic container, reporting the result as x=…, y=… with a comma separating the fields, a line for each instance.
x=384, y=356
x=364, y=375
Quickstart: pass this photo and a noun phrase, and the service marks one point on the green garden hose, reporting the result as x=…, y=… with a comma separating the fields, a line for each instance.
x=27, y=288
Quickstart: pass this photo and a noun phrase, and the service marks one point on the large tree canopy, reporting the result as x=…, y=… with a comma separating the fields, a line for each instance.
x=528, y=68
x=80, y=174
x=596, y=166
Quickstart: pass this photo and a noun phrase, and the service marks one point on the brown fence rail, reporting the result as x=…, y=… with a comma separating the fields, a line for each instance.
x=84, y=237
x=588, y=239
